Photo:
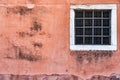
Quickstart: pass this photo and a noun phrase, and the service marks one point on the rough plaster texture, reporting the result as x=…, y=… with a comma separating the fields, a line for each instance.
x=57, y=77
x=36, y=40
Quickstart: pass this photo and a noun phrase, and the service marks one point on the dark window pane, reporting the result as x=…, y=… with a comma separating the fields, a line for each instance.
x=97, y=40
x=88, y=31
x=106, y=40
x=106, y=31
x=88, y=22
x=79, y=31
x=106, y=22
x=78, y=22
x=88, y=40
x=97, y=22
x=78, y=14
x=97, y=31
x=79, y=40
x=88, y=13
x=106, y=14
x=97, y=13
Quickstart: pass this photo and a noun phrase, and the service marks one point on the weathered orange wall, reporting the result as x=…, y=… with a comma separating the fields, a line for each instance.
x=36, y=41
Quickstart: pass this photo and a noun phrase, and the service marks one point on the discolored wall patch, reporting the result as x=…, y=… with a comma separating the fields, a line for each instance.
x=23, y=53
x=28, y=57
x=33, y=30
x=37, y=44
x=91, y=56
x=25, y=34
x=22, y=10
x=36, y=26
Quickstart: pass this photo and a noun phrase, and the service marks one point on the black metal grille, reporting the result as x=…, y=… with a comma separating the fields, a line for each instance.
x=93, y=27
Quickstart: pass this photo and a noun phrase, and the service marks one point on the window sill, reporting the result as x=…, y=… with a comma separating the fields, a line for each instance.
x=93, y=47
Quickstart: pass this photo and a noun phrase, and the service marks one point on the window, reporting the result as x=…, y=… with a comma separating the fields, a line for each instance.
x=93, y=27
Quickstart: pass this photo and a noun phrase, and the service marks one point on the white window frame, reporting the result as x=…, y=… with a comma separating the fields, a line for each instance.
x=113, y=9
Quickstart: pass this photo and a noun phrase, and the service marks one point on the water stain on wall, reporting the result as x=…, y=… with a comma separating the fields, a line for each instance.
x=23, y=53
x=25, y=34
x=32, y=1
x=28, y=57
x=36, y=26
x=56, y=77
x=91, y=56
x=22, y=10
x=37, y=44
x=17, y=77
x=33, y=30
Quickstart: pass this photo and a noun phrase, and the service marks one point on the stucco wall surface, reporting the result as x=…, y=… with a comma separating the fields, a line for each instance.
x=34, y=39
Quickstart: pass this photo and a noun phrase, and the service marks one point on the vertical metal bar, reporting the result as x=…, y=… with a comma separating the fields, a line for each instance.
x=102, y=27
x=93, y=27
x=110, y=27
x=83, y=27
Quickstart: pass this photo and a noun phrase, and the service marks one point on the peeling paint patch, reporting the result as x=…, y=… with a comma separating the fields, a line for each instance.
x=91, y=56
x=22, y=10
x=30, y=6
x=55, y=77
x=102, y=77
x=17, y=77
x=39, y=77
